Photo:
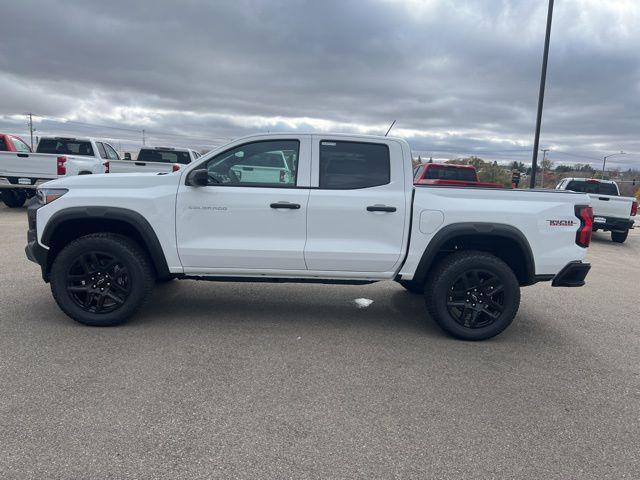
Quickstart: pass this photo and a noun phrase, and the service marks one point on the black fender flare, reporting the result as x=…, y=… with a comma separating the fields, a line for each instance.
x=130, y=217
x=482, y=229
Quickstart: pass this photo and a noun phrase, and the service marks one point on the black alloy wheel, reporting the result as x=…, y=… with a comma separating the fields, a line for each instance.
x=98, y=282
x=476, y=299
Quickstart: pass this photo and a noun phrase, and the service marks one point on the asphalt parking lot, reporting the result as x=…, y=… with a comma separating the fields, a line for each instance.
x=227, y=380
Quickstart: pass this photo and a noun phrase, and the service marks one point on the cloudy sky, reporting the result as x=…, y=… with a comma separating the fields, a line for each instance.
x=460, y=77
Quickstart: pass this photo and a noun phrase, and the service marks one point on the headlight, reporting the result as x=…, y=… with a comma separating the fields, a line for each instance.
x=48, y=195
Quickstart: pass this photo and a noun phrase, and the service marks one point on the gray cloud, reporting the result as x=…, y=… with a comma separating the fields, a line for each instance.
x=460, y=77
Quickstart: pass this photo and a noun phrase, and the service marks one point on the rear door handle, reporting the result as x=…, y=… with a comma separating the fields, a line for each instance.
x=23, y=155
x=605, y=199
x=290, y=206
x=380, y=208
x=141, y=164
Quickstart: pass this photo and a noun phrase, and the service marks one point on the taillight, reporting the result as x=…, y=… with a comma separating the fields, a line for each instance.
x=61, y=166
x=175, y=167
x=583, y=235
x=106, y=167
x=282, y=174
x=634, y=209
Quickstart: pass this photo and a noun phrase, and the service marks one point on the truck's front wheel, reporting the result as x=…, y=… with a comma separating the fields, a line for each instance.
x=472, y=295
x=101, y=279
x=619, y=237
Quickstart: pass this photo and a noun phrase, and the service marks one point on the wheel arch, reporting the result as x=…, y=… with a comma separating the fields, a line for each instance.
x=504, y=241
x=75, y=222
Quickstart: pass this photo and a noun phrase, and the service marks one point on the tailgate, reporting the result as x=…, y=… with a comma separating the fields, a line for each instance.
x=610, y=206
x=28, y=165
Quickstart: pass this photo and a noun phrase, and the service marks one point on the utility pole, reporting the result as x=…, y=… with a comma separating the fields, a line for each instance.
x=544, y=157
x=30, y=125
x=143, y=137
x=543, y=81
x=604, y=160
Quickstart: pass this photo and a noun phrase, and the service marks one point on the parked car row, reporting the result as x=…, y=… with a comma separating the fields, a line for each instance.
x=21, y=170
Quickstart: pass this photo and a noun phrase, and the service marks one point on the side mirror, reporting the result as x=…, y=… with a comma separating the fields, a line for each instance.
x=199, y=178
x=127, y=156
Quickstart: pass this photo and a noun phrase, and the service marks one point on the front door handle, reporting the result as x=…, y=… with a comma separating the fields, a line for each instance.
x=141, y=164
x=380, y=208
x=604, y=199
x=290, y=206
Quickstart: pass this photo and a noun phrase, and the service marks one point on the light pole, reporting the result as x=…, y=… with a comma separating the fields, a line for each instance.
x=543, y=81
x=604, y=160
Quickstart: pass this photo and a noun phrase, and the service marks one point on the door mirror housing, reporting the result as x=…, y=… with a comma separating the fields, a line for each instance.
x=199, y=178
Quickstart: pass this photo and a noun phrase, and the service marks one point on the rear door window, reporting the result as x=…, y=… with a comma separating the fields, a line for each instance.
x=352, y=165
x=101, y=150
x=111, y=153
x=20, y=145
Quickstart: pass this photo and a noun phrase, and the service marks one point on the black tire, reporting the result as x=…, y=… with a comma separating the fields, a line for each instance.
x=619, y=237
x=452, y=301
x=14, y=198
x=411, y=286
x=101, y=279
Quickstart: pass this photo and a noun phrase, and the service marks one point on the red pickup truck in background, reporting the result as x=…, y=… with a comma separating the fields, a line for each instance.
x=449, y=174
x=12, y=143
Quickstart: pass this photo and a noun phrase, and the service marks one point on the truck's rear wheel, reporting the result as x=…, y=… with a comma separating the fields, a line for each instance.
x=619, y=237
x=472, y=295
x=101, y=279
x=411, y=286
x=14, y=198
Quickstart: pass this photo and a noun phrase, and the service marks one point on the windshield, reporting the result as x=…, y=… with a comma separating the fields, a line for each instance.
x=593, y=186
x=62, y=146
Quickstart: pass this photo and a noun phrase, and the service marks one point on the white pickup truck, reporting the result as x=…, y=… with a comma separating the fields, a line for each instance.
x=611, y=212
x=21, y=172
x=155, y=159
x=349, y=215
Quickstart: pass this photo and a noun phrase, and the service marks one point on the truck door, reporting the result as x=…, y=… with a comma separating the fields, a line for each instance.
x=242, y=223
x=357, y=208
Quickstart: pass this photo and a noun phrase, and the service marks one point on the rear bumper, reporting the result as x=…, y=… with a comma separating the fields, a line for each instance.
x=572, y=275
x=611, y=223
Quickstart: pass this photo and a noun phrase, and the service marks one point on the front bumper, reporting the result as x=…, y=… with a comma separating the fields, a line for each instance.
x=572, y=275
x=611, y=223
x=34, y=251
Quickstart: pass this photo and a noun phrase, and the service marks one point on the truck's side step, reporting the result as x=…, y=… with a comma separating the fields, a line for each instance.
x=325, y=281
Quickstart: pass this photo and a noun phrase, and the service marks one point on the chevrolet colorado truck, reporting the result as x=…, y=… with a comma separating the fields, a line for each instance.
x=611, y=212
x=22, y=171
x=349, y=214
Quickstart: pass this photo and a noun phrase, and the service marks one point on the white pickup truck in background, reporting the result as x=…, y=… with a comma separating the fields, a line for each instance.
x=611, y=212
x=21, y=172
x=156, y=160
x=347, y=214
